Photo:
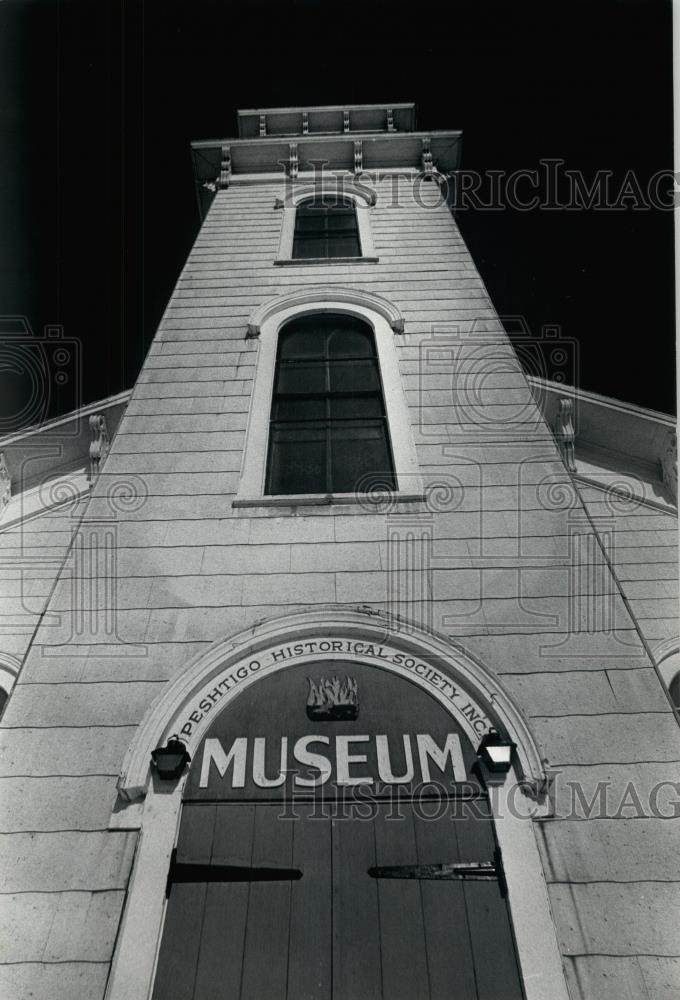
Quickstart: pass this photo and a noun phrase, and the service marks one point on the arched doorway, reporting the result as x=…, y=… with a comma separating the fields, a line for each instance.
x=335, y=842
x=471, y=698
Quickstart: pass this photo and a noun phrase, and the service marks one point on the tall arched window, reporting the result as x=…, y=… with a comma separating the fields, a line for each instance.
x=326, y=227
x=328, y=430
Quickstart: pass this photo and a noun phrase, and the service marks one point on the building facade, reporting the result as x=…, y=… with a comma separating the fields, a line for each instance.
x=334, y=540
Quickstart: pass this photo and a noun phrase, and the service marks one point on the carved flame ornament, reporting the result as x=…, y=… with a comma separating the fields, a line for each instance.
x=333, y=699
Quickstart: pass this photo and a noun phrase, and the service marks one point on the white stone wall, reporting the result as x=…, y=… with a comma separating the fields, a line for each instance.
x=499, y=578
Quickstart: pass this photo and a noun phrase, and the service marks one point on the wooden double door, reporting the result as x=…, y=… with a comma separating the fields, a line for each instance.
x=264, y=905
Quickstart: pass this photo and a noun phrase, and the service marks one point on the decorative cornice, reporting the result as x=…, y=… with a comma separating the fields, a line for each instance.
x=324, y=294
x=260, y=156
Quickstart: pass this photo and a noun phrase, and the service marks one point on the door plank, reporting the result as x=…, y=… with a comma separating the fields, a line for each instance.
x=178, y=956
x=488, y=917
x=265, y=959
x=220, y=960
x=309, y=968
x=447, y=935
x=357, y=973
x=194, y=844
x=402, y=932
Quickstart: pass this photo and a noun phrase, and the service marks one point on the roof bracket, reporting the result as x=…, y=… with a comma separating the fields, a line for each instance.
x=225, y=167
x=426, y=157
x=565, y=433
x=358, y=156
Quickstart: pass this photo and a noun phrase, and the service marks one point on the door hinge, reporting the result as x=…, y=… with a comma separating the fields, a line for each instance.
x=472, y=871
x=181, y=871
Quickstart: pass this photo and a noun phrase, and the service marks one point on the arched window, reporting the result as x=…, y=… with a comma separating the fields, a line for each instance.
x=326, y=227
x=328, y=428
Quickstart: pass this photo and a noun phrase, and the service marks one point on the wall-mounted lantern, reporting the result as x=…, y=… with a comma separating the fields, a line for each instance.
x=496, y=752
x=170, y=760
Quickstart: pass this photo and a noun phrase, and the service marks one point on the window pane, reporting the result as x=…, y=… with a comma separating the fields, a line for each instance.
x=313, y=222
x=356, y=406
x=341, y=222
x=354, y=376
x=297, y=460
x=329, y=201
x=302, y=342
x=343, y=246
x=303, y=249
x=357, y=343
x=304, y=408
x=302, y=376
x=312, y=206
x=359, y=453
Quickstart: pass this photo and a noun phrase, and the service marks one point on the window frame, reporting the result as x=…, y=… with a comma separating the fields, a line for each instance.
x=362, y=203
x=252, y=483
x=324, y=219
x=326, y=424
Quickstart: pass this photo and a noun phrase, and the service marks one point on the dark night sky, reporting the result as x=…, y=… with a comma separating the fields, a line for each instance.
x=99, y=102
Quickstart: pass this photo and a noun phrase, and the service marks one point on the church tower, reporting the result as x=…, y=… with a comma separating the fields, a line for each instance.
x=345, y=687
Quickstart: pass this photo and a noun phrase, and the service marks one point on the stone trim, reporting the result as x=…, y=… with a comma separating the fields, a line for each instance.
x=326, y=296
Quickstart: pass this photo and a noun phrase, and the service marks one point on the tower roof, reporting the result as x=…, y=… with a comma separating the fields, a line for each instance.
x=326, y=120
x=292, y=142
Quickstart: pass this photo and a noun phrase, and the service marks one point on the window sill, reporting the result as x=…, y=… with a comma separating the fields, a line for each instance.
x=282, y=262
x=367, y=500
